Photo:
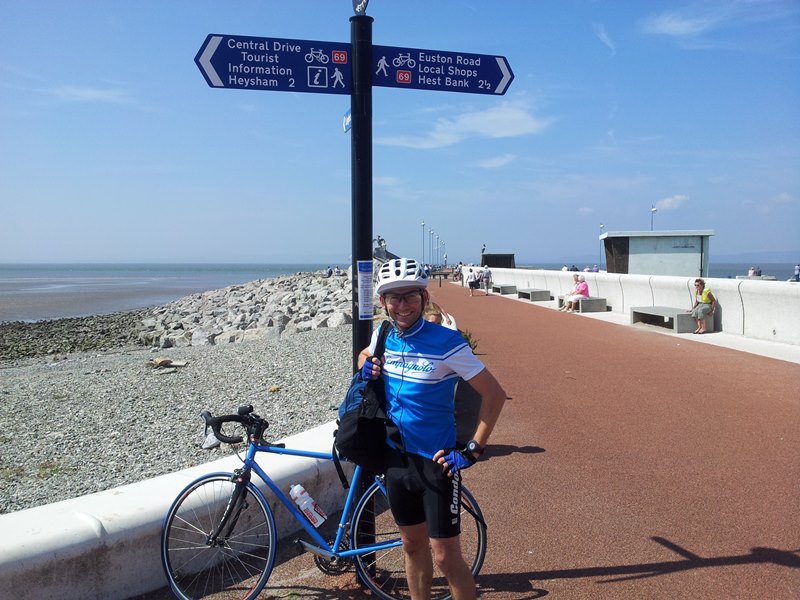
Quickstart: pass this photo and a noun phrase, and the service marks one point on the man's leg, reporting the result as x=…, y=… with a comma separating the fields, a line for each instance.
x=447, y=554
x=419, y=564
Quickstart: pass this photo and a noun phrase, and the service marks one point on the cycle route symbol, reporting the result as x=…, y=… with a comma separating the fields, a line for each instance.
x=282, y=65
x=273, y=64
x=415, y=68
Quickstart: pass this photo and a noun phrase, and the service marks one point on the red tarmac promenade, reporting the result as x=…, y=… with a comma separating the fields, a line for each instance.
x=627, y=464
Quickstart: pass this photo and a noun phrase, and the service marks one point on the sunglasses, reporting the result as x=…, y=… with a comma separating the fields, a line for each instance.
x=414, y=297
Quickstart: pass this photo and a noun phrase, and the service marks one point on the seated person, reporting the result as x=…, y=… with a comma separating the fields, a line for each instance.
x=581, y=290
x=705, y=304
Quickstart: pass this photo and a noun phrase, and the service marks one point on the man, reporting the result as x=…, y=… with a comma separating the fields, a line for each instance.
x=487, y=279
x=421, y=365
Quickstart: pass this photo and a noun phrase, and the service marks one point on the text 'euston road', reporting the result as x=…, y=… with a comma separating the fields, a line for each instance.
x=455, y=75
x=240, y=62
x=440, y=70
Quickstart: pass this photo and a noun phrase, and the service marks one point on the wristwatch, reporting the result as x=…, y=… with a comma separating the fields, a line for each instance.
x=474, y=447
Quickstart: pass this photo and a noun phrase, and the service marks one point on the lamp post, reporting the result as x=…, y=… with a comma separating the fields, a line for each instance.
x=437, y=250
x=600, y=264
x=430, y=247
x=423, y=241
x=653, y=210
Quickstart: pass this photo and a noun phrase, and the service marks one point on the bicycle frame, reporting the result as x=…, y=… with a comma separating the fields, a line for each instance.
x=322, y=548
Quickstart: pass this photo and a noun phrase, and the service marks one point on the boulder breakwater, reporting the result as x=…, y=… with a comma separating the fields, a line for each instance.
x=275, y=307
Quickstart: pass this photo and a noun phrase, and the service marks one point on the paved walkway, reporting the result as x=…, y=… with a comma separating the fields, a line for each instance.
x=627, y=463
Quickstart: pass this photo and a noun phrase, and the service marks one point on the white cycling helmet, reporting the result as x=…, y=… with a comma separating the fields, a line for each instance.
x=401, y=273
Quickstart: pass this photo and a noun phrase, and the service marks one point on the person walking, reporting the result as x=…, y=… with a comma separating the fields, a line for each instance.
x=472, y=282
x=487, y=279
x=420, y=367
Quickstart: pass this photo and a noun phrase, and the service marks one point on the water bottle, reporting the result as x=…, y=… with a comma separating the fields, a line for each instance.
x=307, y=505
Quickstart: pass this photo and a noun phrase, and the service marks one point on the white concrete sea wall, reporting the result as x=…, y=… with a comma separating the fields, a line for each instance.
x=668, y=292
x=771, y=310
x=106, y=546
x=730, y=312
x=764, y=310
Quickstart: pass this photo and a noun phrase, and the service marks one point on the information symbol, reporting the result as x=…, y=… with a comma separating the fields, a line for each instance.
x=318, y=77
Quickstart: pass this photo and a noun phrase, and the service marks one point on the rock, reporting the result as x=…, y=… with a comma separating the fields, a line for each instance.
x=267, y=308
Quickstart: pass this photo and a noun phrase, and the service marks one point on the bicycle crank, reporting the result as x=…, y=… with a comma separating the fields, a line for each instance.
x=333, y=565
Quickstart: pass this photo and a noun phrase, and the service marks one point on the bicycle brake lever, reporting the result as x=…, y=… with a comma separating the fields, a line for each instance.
x=210, y=440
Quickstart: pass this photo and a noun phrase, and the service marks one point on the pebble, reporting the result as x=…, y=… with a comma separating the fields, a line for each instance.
x=77, y=422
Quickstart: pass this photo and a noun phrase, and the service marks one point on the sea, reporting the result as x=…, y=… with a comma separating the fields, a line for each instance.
x=38, y=292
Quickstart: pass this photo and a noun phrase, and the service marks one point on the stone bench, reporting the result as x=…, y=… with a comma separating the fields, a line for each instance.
x=534, y=295
x=504, y=289
x=590, y=304
x=678, y=319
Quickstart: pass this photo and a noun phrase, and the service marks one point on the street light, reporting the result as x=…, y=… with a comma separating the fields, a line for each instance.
x=430, y=248
x=423, y=241
x=600, y=264
x=437, y=251
x=653, y=210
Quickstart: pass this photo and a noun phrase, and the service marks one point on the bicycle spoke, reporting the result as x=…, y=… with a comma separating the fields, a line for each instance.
x=201, y=565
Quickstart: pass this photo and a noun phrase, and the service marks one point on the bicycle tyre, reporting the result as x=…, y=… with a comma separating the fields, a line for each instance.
x=239, y=563
x=384, y=570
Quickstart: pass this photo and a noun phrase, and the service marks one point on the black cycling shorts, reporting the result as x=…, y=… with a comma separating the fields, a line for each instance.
x=420, y=492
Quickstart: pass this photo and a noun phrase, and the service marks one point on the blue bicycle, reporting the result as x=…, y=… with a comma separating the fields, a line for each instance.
x=218, y=539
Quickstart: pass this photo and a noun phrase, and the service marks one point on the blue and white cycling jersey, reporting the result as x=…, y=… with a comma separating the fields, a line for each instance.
x=420, y=374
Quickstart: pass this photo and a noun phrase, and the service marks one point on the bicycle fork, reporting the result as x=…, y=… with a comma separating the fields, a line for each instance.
x=234, y=508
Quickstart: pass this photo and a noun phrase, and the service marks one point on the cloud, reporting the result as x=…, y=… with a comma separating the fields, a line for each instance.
x=777, y=203
x=69, y=93
x=678, y=25
x=672, y=203
x=585, y=211
x=508, y=119
x=601, y=33
x=387, y=180
x=694, y=20
x=497, y=161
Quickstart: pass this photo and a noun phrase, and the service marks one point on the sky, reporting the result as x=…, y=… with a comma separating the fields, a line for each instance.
x=113, y=148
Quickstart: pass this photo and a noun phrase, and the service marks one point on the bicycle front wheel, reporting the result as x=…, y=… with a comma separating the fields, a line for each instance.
x=238, y=562
x=383, y=571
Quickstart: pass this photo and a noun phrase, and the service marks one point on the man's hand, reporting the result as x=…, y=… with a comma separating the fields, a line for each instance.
x=454, y=460
x=371, y=369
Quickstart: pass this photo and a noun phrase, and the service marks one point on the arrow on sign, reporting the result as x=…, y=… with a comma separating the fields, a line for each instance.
x=440, y=70
x=205, y=61
x=507, y=75
x=274, y=64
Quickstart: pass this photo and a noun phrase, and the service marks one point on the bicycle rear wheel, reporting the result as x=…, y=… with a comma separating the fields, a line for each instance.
x=239, y=562
x=383, y=571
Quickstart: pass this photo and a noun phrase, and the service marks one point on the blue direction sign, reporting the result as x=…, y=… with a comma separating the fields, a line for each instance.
x=274, y=64
x=440, y=70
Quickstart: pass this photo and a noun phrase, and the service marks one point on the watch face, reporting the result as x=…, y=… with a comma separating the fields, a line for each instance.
x=473, y=446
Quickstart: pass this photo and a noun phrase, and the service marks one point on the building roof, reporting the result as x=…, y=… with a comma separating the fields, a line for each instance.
x=674, y=233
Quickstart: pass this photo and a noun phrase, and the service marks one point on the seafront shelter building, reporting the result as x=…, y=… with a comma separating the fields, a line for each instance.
x=676, y=253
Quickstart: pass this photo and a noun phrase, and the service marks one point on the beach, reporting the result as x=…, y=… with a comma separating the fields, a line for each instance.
x=35, y=292
x=89, y=421
x=84, y=409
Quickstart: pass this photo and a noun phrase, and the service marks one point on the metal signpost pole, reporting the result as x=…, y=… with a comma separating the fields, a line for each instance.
x=361, y=175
